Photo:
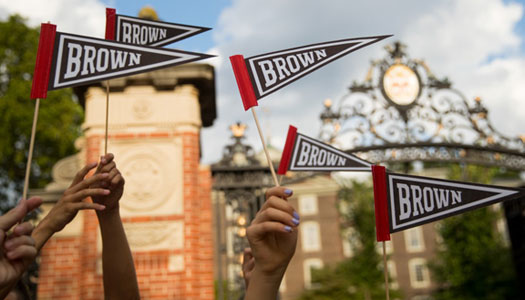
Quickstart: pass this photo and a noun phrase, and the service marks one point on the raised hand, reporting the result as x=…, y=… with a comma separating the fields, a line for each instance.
x=17, y=250
x=272, y=234
x=273, y=237
x=114, y=182
x=71, y=202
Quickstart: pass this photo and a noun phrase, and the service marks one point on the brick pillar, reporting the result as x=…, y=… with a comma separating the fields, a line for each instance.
x=205, y=249
x=60, y=273
x=166, y=206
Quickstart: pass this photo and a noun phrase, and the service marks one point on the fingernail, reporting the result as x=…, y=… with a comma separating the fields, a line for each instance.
x=106, y=192
x=288, y=228
x=101, y=207
x=295, y=221
x=288, y=192
x=296, y=215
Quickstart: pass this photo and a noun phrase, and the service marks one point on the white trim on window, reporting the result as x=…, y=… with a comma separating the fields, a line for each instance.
x=419, y=274
x=414, y=240
x=392, y=271
x=308, y=264
x=310, y=236
x=307, y=204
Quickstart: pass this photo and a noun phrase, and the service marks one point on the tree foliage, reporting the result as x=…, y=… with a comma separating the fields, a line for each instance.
x=58, y=121
x=361, y=276
x=473, y=263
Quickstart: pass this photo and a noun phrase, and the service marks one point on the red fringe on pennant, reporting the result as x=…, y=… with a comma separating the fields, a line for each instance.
x=381, y=203
x=243, y=81
x=44, y=58
x=110, y=23
x=287, y=152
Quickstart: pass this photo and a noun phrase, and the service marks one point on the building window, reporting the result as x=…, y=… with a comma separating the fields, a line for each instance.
x=414, y=239
x=349, y=241
x=307, y=205
x=308, y=265
x=392, y=271
x=310, y=236
x=419, y=274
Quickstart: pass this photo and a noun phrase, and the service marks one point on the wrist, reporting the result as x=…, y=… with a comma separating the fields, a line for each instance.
x=274, y=275
x=109, y=220
x=109, y=212
x=42, y=233
x=264, y=284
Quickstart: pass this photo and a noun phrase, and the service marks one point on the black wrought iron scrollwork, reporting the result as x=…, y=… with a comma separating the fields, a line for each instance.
x=440, y=124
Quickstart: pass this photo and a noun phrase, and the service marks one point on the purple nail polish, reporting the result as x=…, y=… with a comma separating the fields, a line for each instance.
x=288, y=228
x=295, y=221
x=288, y=192
x=296, y=215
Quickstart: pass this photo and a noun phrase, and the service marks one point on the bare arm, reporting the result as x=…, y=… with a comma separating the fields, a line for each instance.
x=120, y=280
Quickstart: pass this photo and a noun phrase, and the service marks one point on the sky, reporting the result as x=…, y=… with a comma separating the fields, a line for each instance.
x=478, y=44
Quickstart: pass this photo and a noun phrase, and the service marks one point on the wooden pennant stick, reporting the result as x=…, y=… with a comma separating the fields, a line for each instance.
x=274, y=176
x=381, y=215
x=107, y=118
x=385, y=270
x=31, y=146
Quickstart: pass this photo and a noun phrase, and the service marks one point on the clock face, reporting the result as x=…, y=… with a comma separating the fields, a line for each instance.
x=401, y=84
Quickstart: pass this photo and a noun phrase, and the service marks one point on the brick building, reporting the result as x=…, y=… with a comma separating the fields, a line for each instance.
x=323, y=242
x=154, y=132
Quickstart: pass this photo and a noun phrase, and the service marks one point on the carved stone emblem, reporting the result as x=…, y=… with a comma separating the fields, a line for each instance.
x=146, y=181
x=142, y=109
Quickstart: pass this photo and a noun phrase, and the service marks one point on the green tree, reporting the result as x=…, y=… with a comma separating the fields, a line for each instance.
x=473, y=262
x=360, y=277
x=58, y=122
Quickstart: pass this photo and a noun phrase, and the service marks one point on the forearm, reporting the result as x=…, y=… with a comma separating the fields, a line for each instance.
x=41, y=234
x=120, y=280
x=264, y=286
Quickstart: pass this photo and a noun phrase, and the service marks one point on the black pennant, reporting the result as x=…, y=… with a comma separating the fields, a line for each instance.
x=303, y=153
x=144, y=32
x=79, y=60
x=415, y=200
x=271, y=71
